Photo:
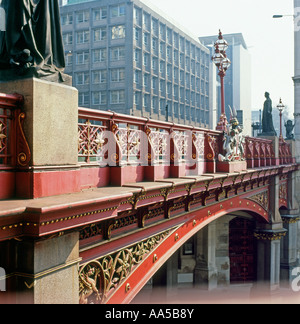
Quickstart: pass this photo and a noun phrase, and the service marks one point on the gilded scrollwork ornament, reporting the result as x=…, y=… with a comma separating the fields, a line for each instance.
x=99, y=278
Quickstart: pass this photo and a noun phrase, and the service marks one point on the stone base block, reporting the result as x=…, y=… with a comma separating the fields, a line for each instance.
x=51, y=119
x=231, y=167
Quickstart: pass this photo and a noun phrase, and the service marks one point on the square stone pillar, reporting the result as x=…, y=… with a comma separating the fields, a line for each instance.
x=289, y=249
x=51, y=122
x=205, y=272
x=43, y=272
x=268, y=260
x=50, y=134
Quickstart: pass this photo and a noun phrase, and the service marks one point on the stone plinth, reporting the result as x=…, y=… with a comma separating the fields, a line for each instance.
x=51, y=120
x=51, y=132
x=231, y=167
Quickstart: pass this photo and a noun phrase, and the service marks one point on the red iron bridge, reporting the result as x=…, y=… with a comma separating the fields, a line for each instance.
x=98, y=229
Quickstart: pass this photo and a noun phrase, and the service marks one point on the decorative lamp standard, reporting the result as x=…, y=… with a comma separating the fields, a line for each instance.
x=280, y=107
x=222, y=62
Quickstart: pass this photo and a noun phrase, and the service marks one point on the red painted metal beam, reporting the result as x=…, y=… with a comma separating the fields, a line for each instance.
x=182, y=228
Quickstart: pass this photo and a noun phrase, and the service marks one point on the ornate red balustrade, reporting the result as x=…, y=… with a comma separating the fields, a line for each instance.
x=116, y=149
x=13, y=150
x=152, y=150
x=149, y=149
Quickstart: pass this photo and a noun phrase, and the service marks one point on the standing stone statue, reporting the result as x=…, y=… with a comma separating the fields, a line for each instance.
x=31, y=41
x=267, y=119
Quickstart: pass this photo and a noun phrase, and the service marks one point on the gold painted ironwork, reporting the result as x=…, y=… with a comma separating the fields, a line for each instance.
x=99, y=278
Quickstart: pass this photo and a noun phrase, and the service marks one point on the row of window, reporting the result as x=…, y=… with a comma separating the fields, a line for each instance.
x=149, y=23
x=165, y=33
x=98, y=14
x=159, y=45
x=98, y=55
x=99, y=34
x=188, y=83
x=118, y=75
x=118, y=53
x=100, y=76
x=100, y=97
x=140, y=101
x=162, y=66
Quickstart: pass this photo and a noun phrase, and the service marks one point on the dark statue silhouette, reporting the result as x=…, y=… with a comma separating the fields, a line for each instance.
x=267, y=119
x=31, y=42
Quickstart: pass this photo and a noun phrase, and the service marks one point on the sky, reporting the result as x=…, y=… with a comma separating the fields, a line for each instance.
x=270, y=41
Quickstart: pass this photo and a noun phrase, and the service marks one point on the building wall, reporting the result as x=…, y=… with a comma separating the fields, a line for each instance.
x=242, y=82
x=160, y=65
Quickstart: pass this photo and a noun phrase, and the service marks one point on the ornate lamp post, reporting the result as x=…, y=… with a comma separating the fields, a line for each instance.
x=280, y=107
x=222, y=62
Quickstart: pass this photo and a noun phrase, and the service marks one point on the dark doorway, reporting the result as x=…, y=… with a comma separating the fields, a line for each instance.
x=242, y=250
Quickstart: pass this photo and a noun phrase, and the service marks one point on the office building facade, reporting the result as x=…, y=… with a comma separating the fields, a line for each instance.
x=126, y=56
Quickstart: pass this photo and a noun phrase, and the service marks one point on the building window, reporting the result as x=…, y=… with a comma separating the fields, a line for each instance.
x=146, y=80
x=154, y=44
x=117, y=11
x=82, y=16
x=169, y=36
x=169, y=53
x=100, y=34
x=146, y=59
x=83, y=57
x=154, y=83
x=136, y=33
x=137, y=98
x=154, y=104
x=83, y=98
x=162, y=31
x=146, y=37
x=99, y=98
x=169, y=72
x=99, y=76
x=161, y=67
x=146, y=101
x=117, y=53
x=136, y=56
x=69, y=59
x=100, y=14
x=82, y=37
x=118, y=32
x=68, y=39
x=67, y=19
x=161, y=48
x=169, y=89
x=154, y=26
x=154, y=64
x=82, y=78
x=99, y=55
x=136, y=14
x=146, y=21
x=117, y=75
x=162, y=86
x=136, y=76
x=117, y=96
